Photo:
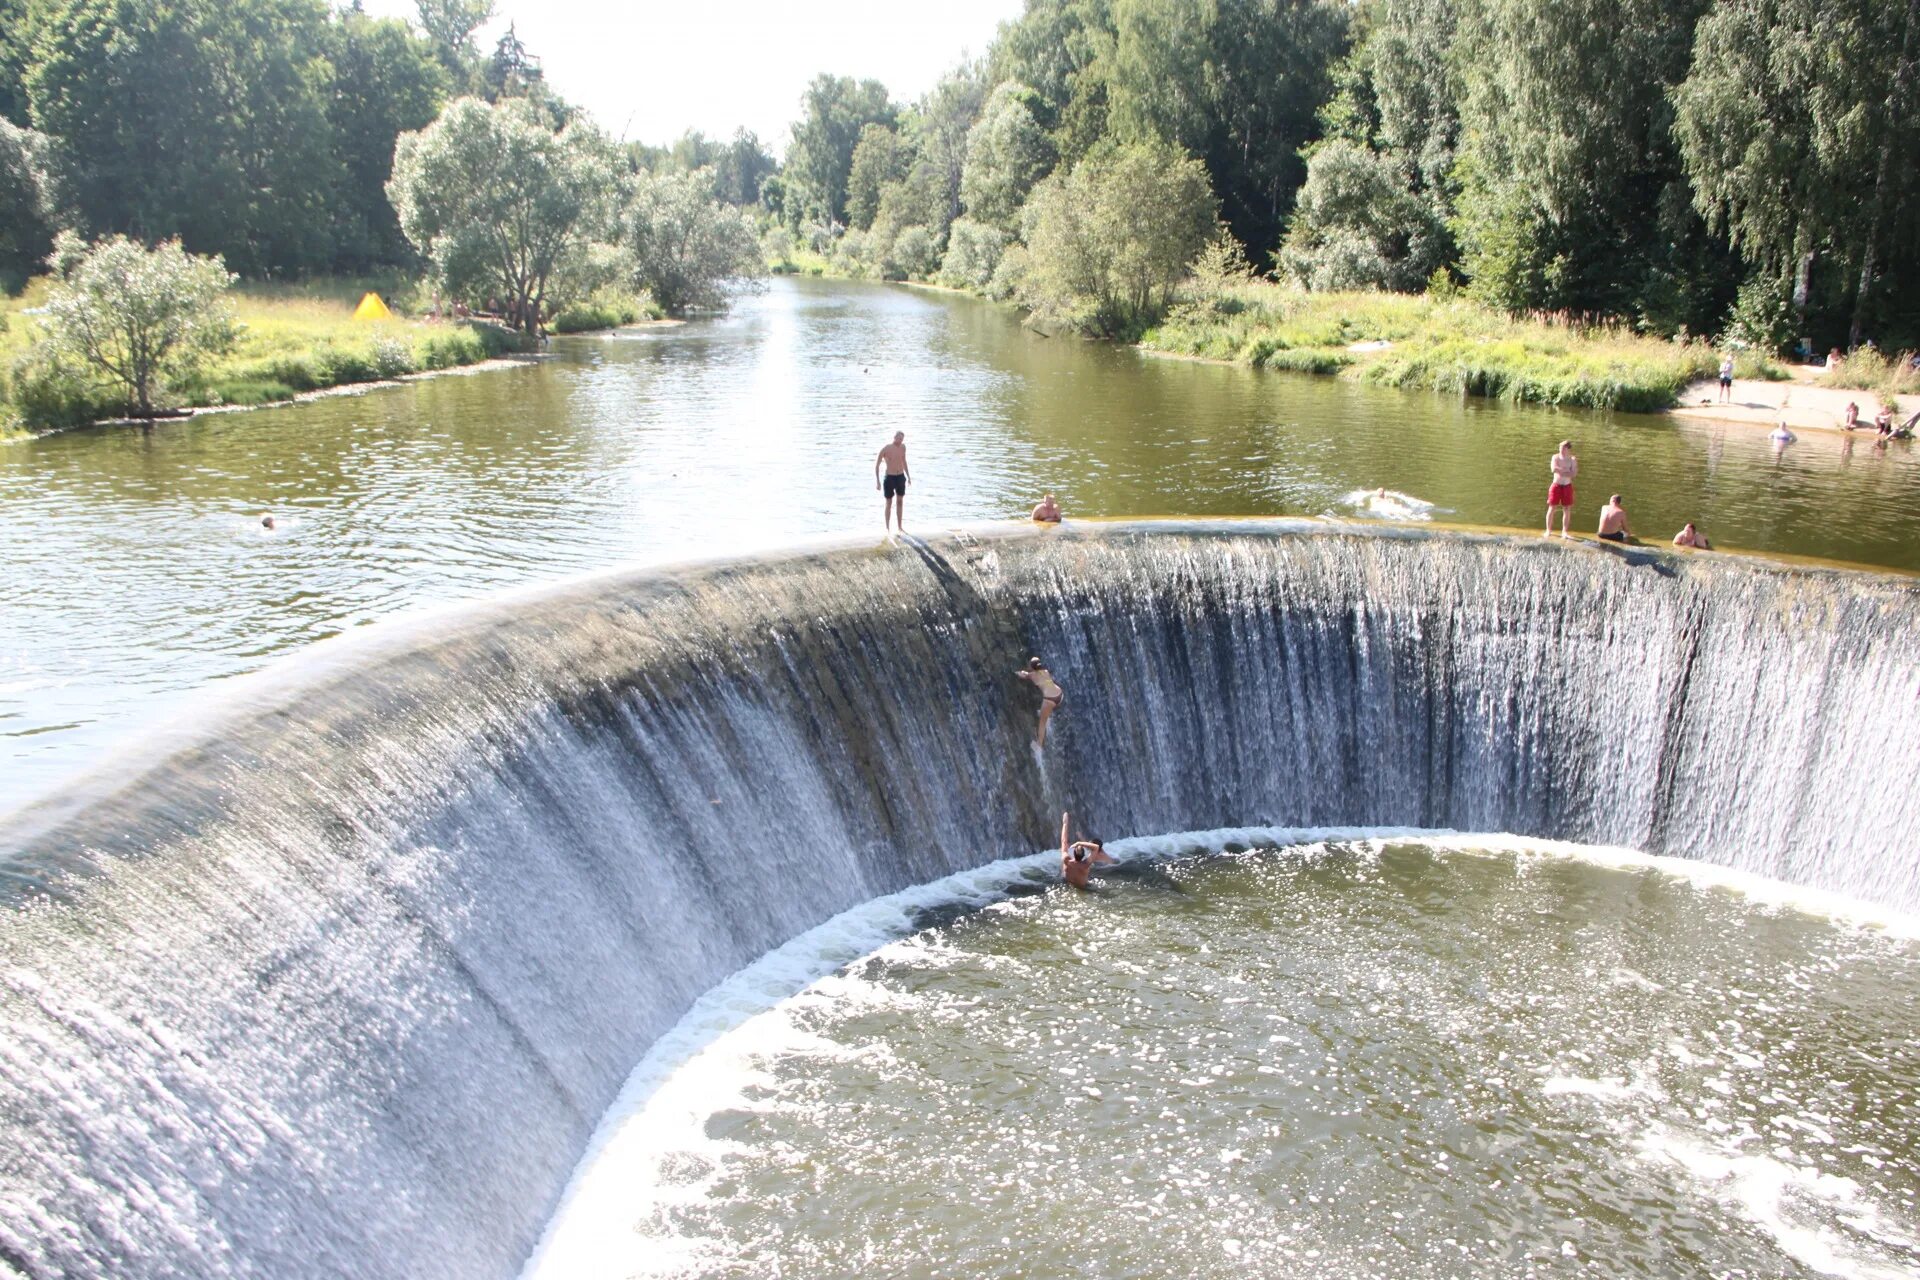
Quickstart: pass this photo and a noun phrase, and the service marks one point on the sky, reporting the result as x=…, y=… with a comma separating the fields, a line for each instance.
x=649, y=70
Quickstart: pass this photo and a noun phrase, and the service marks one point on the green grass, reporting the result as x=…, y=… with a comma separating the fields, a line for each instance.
x=1888, y=377
x=606, y=311
x=291, y=339
x=1441, y=344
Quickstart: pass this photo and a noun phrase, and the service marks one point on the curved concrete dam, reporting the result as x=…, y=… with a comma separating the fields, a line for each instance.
x=340, y=979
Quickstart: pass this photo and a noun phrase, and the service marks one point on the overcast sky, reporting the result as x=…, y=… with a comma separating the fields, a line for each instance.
x=649, y=70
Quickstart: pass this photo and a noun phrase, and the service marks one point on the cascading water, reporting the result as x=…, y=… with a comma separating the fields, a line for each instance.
x=343, y=979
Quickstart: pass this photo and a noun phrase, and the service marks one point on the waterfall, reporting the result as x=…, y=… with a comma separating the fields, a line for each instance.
x=338, y=978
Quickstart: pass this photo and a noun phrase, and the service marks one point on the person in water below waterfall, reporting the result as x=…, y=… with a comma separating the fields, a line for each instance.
x=1051, y=696
x=1077, y=860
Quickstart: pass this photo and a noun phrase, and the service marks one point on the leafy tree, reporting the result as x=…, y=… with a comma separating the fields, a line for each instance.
x=449, y=25
x=1795, y=123
x=501, y=205
x=1357, y=226
x=741, y=169
x=386, y=82
x=141, y=317
x=15, y=36
x=216, y=134
x=1007, y=152
x=820, y=158
x=685, y=245
x=878, y=159
x=1108, y=240
x=1064, y=50
x=974, y=250
x=939, y=126
x=911, y=256
x=23, y=222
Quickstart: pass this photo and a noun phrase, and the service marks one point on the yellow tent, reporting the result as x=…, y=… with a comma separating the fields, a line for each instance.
x=371, y=308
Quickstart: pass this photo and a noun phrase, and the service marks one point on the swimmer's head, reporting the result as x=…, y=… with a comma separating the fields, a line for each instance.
x=266, y=522
x=1033, y=664
x=1079, y=855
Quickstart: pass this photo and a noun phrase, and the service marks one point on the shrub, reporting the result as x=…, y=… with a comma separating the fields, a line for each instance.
x=1762, y=316
x=48, y=393
x=911, y=256
x=974, y=250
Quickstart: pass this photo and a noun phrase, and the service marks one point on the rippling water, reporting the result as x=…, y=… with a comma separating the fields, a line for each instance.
x=134, y=571
x=1399, y=1057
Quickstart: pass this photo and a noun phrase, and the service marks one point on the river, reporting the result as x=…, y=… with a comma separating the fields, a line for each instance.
x=136, y=574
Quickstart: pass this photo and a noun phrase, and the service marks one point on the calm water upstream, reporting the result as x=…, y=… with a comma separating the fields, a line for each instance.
x=135, y=573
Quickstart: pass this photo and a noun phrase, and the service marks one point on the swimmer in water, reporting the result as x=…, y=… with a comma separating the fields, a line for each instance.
x=266, y=522
x=1077, y=860
x=1051, y=696
x=1781, y=435
x=1047, y=511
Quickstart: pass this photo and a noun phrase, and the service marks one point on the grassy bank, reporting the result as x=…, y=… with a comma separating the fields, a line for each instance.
x=291, y=339
x=1888, y=377
x=1440, y=344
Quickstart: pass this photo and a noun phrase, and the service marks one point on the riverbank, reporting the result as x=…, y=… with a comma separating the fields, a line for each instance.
x=1805, y=401
x=292, y=341
x=1428, y=342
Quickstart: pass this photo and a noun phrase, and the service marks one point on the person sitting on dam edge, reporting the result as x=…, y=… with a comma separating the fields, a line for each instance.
x=1047, y=511
x=1051, y=695
x=1077, y=860
x=1613, y=520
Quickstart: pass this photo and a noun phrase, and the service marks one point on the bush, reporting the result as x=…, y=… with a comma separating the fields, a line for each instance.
x=911, y=255
x=392, y=358
x=973, y=254
x=1762, y=317
x=47, y=393
x=590, y=317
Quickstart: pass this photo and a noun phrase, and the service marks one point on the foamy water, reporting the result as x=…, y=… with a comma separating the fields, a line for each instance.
x=1194, y=1077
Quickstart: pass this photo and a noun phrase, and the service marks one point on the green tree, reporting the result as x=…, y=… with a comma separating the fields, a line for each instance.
x=974, y=250
x=1796, y=125
x=1357, y=226
x=685, y=245
x=878, y=159
x=386, y=82
x=138, y=317
x=216, y=132
x=501, y=205
x=24, y=236
x=836, y=110
x=939, y=125
x=741, y=169
x=1007, y=152
x=15, y=43
x=1108, y=240
x=450, y=25
x=1064, y=50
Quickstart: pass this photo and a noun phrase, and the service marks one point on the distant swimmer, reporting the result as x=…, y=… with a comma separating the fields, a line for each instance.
x=1560, y=492
x=1692, y=537
x=1077, y=860
x=1051, y=695
x=1613, y=520
x=893, y=490
x=266, y=522
x=1047, y=511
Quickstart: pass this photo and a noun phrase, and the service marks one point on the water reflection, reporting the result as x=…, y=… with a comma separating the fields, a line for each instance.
x=135, y=571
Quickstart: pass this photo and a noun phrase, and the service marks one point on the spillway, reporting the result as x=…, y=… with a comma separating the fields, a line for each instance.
x=338, y=978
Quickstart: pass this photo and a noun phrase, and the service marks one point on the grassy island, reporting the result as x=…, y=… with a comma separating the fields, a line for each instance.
x=1422, y=341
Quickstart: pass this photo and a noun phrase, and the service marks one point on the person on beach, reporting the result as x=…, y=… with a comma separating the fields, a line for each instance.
x=1077, y=860
x=1852, y=419
x=1560, y=492
x=893, y=490
x=1692, y=537
x=1726, y=378
x=1051, y=696
x=1047, y=511
x=1613, y=520
x=1883, y=421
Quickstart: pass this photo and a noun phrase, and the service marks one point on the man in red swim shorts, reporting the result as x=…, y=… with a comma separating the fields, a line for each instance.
x=1560, y=492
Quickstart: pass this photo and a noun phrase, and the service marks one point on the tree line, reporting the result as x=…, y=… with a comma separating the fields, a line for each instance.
x=1746, y=167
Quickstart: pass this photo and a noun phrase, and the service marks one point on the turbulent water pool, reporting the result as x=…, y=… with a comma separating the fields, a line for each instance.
x=1389, y=1056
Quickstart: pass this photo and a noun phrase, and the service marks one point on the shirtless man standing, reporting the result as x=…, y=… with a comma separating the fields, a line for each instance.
x=1560, y=493
x=1613, y=520
x=1077, y=860
x=894, y=458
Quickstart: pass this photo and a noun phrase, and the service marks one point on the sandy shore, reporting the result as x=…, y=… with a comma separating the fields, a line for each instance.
x=1797, y=402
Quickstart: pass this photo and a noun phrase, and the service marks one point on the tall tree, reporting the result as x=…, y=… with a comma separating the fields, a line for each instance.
x=15, y=40
x=386, y=82
x=24, y=235
x=1007, y=152
x=878, y=159
x=685, y=246
x=450, y=25
x=1064, y=50
x=1796, y=126
x=939, y=125
x=501, y=205
x=836, y=109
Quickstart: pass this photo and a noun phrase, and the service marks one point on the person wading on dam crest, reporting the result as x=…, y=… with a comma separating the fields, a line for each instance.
x=894, y=489
x=1051, y=696
x=1560, y=493
x=1077, y=860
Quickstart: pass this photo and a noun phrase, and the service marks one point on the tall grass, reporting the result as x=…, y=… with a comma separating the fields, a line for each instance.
x=291, y=339
x=1441, y=344
x=1888, y=377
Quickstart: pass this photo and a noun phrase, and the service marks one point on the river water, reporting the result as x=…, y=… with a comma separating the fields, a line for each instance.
x=1351, y=1058
x=135, y=573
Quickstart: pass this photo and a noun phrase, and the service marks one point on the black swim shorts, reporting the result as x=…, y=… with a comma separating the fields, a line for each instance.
x=895, y=487
x=1614, y=537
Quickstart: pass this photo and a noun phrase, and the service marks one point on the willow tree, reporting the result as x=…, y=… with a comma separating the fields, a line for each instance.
x=503, y=207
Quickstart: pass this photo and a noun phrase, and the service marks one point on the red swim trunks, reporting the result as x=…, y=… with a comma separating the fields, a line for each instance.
x=1560, y=495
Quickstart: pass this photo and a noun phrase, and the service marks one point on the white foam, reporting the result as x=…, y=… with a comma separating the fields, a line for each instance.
x=1388, y=504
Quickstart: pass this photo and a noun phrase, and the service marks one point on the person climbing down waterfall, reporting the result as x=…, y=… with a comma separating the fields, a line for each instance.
x=1051, y=696
x=893, y=491
x=1077, y=860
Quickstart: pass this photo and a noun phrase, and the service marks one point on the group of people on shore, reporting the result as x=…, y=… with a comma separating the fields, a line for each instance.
x=1883, y=422
x=1564, y=466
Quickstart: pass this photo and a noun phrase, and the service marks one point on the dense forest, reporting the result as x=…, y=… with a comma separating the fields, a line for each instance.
x=1747, y=167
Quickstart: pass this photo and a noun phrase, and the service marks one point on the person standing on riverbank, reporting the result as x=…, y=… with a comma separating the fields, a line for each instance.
x=1560, y=493
x=1613, y=520
x=893, y=489
x=1726, y=378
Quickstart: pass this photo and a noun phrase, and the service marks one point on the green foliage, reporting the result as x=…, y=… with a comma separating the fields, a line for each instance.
x=601, y=312
x=878, y=159
x=685, y=247
x=1868, y=370
x=974, y=251
x=504, y=208
x=820, y=159
x=1007, y=152
x=1108, y=241
x=911, y=256
x=24, y=237
x=1357, y=226
x=1762, y=315
x=135, y=317
x=386, y=82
